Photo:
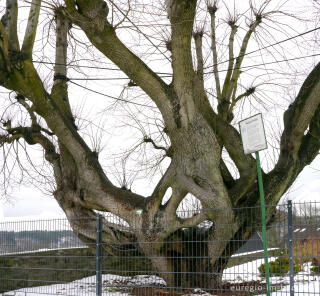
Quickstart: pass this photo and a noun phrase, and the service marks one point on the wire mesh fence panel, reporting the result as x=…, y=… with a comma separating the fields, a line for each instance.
x=306, y=247
x=222, y=255
x=42, y=256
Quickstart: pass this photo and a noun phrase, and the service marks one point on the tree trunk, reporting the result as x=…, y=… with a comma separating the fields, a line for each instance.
x=184, y=261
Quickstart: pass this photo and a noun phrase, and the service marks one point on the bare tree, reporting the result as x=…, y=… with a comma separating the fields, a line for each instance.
x=197, y=114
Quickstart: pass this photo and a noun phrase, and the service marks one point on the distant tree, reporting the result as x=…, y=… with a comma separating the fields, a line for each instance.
x=196, y=115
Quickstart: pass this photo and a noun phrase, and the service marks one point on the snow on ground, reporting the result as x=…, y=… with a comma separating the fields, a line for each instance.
x=306, y=284
x=253, y=252
x=245, y=272
x=113, y=285
x=87, y=286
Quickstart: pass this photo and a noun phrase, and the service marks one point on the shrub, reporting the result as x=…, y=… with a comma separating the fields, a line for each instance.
x=279, y=267
x=315, y=269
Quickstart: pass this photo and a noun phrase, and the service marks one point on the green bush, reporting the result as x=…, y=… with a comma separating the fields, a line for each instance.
x=279, y=267
x=315, y=269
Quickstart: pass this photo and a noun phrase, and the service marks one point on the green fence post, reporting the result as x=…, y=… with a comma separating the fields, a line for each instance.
x=263, y=218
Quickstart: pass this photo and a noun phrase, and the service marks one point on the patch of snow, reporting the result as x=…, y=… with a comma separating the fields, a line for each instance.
x=199, y=292
x=253, y=252
x=41, y=250
x=244, y=272
x=112, y=285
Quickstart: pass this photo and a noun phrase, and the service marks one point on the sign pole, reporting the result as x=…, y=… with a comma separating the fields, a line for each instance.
x=253, y=140
x=264, y=227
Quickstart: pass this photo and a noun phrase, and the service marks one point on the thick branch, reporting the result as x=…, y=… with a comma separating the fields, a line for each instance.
x=59, y=90
x=194, y=220
x=182, y=18
x=102, y=192
x=92, y=20
x=247, y=93
x=227, y=79
x=283, y=175
x=9, y=20
x=297, y=119
x=167, y=180
x=310, y=144
x=226, y=175
x=177, y=196
x=223, y=105
x=230, y=139
x=230, y=84
x=9, y=139
x=198, y=42
x=298, y=148
x=208, y=196
x=4, y=51
x=31, y=30
x=212, y=10
x=86, y=230
x=243, y=49
x=32, y=136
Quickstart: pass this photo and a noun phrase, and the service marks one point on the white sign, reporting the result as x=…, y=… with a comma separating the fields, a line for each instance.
x=252, y=134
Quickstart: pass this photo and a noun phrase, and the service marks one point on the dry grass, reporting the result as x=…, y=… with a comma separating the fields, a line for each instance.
x=306, y=251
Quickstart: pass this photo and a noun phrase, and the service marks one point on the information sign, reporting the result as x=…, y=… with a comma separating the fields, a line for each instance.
x=252, y=134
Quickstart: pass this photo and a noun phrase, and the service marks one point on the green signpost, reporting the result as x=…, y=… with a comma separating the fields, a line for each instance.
x=253, y=140
x=263, y=218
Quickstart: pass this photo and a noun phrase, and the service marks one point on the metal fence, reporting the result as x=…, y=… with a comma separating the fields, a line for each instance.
x=46, y=257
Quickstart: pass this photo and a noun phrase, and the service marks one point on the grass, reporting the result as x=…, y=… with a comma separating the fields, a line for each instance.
x=307, y=251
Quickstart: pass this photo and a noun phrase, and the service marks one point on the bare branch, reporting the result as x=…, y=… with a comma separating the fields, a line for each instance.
x=21, y=101
x=125, y=16
x=149, y=140
x=212, y=10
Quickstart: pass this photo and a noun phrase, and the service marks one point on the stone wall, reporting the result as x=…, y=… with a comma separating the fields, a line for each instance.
x=61, y=266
